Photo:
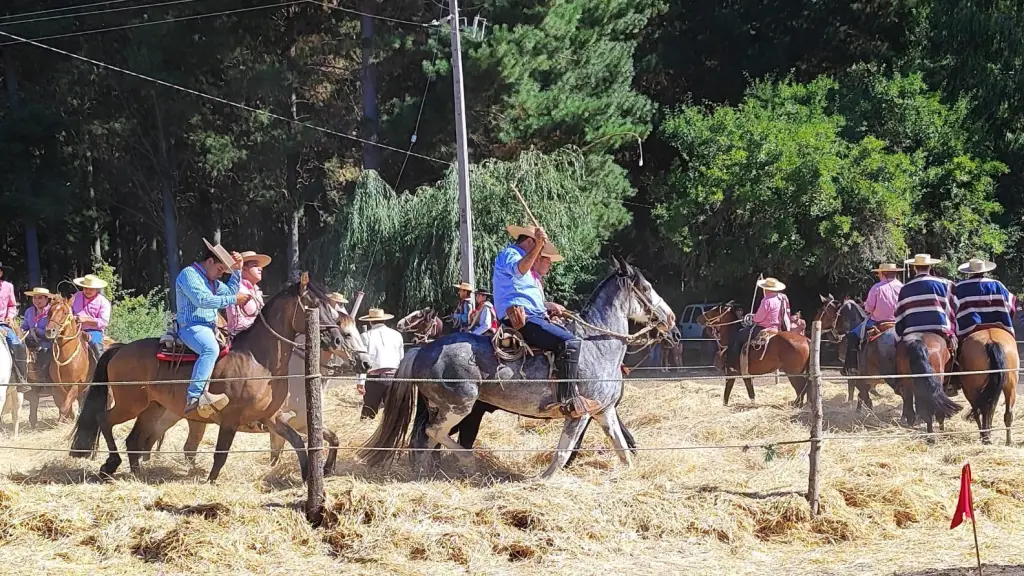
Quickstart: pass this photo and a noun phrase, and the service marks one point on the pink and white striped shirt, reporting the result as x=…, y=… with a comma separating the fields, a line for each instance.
x=8, y=302
x=240, y=318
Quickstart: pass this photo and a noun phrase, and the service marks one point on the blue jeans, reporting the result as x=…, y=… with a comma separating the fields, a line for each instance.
x=541, y=333
x=203, y=341
x=12, y=338
x=95, y=336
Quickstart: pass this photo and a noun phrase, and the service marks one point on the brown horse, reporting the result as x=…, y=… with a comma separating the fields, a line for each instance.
x=258, y=355
x=877, y=357
x=786, y=351
x=72, y=365
x=924, y=355
x=989, y=348
x=424, y=325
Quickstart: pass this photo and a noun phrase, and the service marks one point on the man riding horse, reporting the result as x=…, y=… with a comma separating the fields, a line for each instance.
x=925, y=303
x=520, y=301
x=199, y=294
x=981, y=302
x=881, y=308
x=772, y=314
x=462, y=316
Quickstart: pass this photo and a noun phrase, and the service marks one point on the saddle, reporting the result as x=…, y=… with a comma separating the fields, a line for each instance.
x=172, y=349
x=877, y=330
x=759, y=343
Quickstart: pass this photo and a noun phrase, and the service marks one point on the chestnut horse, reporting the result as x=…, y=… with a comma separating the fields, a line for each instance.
x=259, y=355
x=989, y=348
x=72, y=366
x=786, y=351
x=924, y=355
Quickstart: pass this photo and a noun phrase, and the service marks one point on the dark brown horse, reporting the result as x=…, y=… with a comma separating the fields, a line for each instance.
x=258, y=354
x=924, y=355
x=989, y=348
x=786, y=351
x=877, y=354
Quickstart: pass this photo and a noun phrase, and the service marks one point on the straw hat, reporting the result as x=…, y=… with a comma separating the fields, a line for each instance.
x=464, y=286
x=976, y=266
x=376, y=315
x=517, y=231
x=888, y=267
x=551, y=253
x=485, y=293
x=771, y=285
x=262, y=260
x=337, y=298
x=922, y=260
x=90, y=281
x=37, y=291
x=220, y=253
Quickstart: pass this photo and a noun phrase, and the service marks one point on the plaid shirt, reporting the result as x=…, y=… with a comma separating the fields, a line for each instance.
x=199, y=298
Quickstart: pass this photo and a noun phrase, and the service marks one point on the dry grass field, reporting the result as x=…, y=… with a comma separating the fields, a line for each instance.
x=886, y=498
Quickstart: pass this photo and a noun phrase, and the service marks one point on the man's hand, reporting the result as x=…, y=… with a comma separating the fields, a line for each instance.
x=554, y=309
x=361, y=388
x=238, y=261
x=540, y=235
x=242, y=298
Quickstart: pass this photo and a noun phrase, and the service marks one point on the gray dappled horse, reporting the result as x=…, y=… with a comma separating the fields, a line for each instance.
x=455, y=371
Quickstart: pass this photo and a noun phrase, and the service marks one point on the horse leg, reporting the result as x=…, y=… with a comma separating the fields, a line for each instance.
x=18, y=399
x=1009, y=394
x=799, y=384
x=332, y=453
x=728, y=390
x=849, y=392
x=441, y=424
x=279, y=423
x=570, y=434
x=609, y=421
x=196, y=430
x=224, y=440
x=864, y=395
x=145, y=431
x=749, y=383
x=33, y=407
x=276, y=445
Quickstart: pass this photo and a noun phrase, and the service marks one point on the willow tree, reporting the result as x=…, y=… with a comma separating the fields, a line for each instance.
x=407, y=245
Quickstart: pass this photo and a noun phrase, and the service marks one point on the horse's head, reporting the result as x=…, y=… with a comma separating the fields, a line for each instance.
x=353, y=350
x=838, y=317
x=716, y=318
x=59, y=318
x=417, y=321
x=288, y=308
x=646, y=305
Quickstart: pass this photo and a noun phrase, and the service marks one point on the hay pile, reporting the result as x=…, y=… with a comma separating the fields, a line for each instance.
x=886, y=503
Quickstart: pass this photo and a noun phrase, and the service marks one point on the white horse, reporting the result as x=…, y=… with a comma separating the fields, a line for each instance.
x=10, y=398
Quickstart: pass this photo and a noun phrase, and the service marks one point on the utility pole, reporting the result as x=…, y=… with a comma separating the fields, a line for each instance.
x=465, y=206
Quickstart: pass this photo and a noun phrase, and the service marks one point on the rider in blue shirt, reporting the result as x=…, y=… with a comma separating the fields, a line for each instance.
x=519, y=301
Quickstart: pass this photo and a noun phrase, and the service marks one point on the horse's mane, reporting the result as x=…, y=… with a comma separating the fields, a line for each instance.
x=633, y=276
x=854, y=304
x=292, y=291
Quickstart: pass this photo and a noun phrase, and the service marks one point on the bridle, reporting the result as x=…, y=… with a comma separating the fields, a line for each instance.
x=77, y=336
x=833, y=335
x=323, y=329
x=714, y=324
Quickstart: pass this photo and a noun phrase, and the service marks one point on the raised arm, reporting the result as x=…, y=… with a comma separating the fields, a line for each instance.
x=198, y=292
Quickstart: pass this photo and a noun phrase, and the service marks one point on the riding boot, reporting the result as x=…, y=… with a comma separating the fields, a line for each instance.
x=95, y=350
x=567, y=391
x=20, y=356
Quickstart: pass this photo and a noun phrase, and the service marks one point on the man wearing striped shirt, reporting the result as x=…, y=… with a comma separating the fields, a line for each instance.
x=199, y=294
x=982, y=301
x=926, y=301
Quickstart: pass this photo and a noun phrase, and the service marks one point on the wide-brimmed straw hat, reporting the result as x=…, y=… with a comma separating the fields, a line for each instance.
x=771, y=284
x=463, y=286
x=220, y=253
x=551, y=253
x=376, y=315
x=517, y=231
x=337, y=298
x=484, y=292
x=90, y=281
x=922, y=260
x=976, y=266
x=888, y=267
x=260, y=259
x=37, y=291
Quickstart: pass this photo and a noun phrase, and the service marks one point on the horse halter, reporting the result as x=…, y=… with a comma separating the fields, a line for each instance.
x=68, y=319
x=713, y=324
x=833, y=335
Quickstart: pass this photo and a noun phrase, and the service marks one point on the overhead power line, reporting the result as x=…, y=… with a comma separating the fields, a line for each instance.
x=64, y=9
x=95, y=12
x=215, y=98
x=378, y=17
x=151, y=23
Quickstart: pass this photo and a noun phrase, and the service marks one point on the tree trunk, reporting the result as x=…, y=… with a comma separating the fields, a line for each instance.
x=167, y=197
x=371, y=116
x=97, y=230
x=31, y=235
x=292, y=192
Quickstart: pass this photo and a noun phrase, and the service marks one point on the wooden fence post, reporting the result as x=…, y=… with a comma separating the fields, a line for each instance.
x=813, y=488
x=315, y=423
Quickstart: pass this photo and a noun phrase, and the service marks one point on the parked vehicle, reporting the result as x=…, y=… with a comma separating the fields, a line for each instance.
x=696, y=352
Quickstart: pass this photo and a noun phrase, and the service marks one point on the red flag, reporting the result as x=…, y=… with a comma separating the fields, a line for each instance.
x=965, y=505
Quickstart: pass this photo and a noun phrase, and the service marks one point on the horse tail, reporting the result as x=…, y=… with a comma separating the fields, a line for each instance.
x=396, y=414
x=994, y=383
x=927, y=385
x=86, y=434
x=630, y=441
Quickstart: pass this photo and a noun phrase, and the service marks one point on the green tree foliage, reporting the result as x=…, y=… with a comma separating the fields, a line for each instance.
x=133, y=316
x=783, y=183
x=413, y=239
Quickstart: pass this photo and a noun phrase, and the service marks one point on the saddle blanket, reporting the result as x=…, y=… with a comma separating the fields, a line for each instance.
x=185, y=354
x=875, y=331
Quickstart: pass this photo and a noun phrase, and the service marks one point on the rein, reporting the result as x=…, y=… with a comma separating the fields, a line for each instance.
x=652, y=321
x=68, y=319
